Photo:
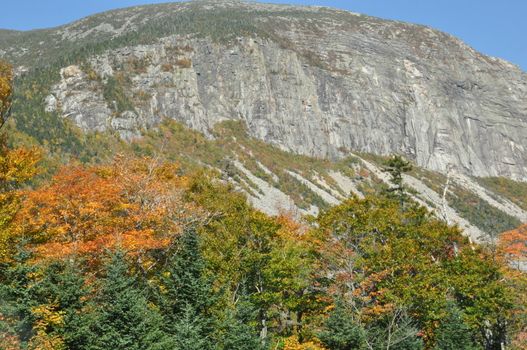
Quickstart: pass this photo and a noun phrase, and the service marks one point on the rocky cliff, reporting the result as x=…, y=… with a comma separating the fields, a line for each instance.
x=314, y=81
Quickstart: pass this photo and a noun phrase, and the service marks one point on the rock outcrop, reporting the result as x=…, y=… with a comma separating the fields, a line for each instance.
x=314, y=81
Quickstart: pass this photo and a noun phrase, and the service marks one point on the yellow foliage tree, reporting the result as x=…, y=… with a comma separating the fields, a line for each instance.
x=6, y=90
x=46, y=316
x=292, y=343
x=17, y=166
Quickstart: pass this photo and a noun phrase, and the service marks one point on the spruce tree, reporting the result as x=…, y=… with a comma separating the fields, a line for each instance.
x=124, y=319
x=240, y=328
x=64, y=285
x=342, y=331
x=17, y=296
x=453, y=333
x=186, y=293
x=189, y=332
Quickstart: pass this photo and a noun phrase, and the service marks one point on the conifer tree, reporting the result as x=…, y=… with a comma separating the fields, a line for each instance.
x=189, y=332
x=64, y=285
x=240, y=328
x=396, y=166
x=453, y=333
x=125, y=321
x=185, y=291
x=342, y=331
x=395, y=330
x=17, y=295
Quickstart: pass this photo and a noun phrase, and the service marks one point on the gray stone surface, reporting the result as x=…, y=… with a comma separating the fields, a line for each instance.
x=322, y=86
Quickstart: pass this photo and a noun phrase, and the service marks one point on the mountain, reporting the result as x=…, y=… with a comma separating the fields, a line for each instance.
x=294, y=105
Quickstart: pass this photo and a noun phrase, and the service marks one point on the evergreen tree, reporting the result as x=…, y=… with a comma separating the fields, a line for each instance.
x=124, y=319
x=240, y=328
x=395, y=330
x=342, y=331
x=64, y=285
x=17, y=295
x=453, y=333
x=189, y=332
x=185, y=291
x=396, y=166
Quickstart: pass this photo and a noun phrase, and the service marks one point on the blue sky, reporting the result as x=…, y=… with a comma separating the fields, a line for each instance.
x=494, y=27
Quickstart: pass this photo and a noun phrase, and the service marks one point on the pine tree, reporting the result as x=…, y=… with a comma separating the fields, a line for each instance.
x=125, y=321
x=453, y=333
x=342, y=331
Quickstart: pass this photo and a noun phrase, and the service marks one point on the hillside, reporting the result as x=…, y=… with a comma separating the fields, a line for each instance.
x=341, y=89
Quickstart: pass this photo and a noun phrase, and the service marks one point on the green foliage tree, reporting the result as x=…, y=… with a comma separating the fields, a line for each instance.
x=266, y=257
x=343, y=331
x=453, y=333
x=396, y=166
x=185, y=291
x=64, y=287
x=123, y=319
x=413, y=261
x=189, y=332
x=17, y=296
x=396, y=330
x=240, y=331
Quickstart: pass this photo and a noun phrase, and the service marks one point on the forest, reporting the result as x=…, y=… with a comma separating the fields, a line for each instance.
x=141, y=253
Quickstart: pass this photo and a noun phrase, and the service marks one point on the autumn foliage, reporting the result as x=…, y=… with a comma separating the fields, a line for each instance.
x=513, y=246
x=84, y=211
x=17, y=167
x=6, y=90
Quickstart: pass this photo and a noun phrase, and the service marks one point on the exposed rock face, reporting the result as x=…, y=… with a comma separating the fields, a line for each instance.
x=324, y=83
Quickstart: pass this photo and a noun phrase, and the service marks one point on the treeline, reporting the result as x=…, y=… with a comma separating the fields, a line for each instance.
x=134, y=255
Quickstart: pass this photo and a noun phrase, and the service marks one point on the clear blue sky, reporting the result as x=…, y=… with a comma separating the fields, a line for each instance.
x=494, y=27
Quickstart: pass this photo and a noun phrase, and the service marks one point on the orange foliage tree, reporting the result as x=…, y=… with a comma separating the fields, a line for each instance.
x=513, y=247
x=133, y=204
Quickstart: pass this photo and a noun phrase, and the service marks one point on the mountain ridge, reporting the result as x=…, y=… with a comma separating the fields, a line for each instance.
x=316, y=82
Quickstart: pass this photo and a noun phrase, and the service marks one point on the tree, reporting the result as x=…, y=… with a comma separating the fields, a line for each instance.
x=18, y=297
x=396, y=166
x=17, y=167
x=188, y=331
x=124, y=320
x=240, y=328
x=413, y=261
x=395, y=330
x=512, y=247
x=343, y=331
x=6, y=91
x=85, y=210
x=273, y=260
x=64, y=293
x=185, y=291
x=453, y=333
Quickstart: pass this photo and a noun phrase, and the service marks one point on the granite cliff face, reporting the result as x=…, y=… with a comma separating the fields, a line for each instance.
x=314, y=81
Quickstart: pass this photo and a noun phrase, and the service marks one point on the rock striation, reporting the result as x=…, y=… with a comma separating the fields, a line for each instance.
x=311, y=80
